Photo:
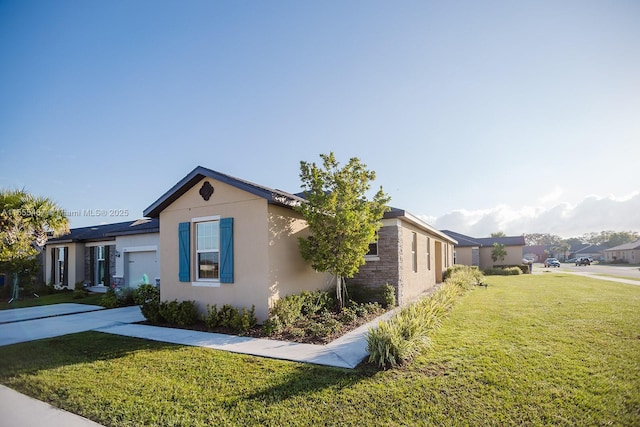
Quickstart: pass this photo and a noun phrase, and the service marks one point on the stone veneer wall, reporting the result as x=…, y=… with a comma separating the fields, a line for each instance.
x=87, y=263
x=376, y=273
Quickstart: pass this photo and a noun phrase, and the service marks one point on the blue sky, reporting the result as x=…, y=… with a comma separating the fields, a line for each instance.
x=477, y=116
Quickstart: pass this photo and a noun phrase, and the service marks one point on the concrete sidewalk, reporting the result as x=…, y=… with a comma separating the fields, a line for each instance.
x=57, y=325
x=345, y=352
x=19, y=410
x=40, y=312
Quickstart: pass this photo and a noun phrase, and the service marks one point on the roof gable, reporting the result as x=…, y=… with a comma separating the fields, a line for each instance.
x=108, y=231
x=625, y=247
x=274, y=196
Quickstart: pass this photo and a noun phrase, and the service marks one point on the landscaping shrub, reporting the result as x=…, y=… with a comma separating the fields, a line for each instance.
x=109, y=300
x=148, y=298
x=499, y=271
x=384, y=294
x=316, y=301
x=244, y=320
x=80, y=293
x=182, y=313
x=313, y=315
x=241, y=321
x=401, y=338
x=211, y=319
x=226, y=315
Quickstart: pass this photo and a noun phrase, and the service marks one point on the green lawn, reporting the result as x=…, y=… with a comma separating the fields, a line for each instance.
x=550, y=349
x=58, y=298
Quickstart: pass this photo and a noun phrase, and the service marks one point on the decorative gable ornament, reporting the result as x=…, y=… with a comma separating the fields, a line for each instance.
x=206, y=191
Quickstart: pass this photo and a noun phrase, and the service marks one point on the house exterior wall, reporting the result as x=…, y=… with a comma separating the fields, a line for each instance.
x=266, y=262
x=632, y=256
x=383, y=268
x=410, y=275
x=75, y=266
x=464, y=255
x=125, y=245
x=514, y=256
x=289, y=273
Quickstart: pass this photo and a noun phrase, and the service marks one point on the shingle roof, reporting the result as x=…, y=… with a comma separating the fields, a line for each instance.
x=109, y=231
x=274, y=196
x=627, y=246
x=485, y=241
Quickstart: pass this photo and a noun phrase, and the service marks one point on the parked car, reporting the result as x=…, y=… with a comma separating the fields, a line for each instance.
x=551, y=262
x=583, y=261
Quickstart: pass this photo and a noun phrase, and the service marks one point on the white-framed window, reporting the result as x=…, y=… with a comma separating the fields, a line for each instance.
x=207, y=247
x=60, y=265
x=429, y=253
x=414, y=252
x=99, y=268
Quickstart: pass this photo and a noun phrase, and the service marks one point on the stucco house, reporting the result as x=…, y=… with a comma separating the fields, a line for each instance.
x=475, y=251
x=103, y=255
x=224, y=240
x=627, y=253
x=409, y=255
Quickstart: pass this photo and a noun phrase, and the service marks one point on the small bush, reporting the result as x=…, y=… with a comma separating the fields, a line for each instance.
x=388, y=296
x=384, y=294
x=80, y=293
x=109, y=300
x=316, y=302
x=273, y=325
x=498, y=271
x=288, y=309
x=148, y=298
x=211, y=318
x=226, y=315
x=348, y=315
x=244, y=320
x=182, y=313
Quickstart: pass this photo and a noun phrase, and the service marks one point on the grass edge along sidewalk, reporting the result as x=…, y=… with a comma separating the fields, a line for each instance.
x=534, y=349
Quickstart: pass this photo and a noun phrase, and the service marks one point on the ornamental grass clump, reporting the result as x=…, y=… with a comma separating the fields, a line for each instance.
x=398, y=340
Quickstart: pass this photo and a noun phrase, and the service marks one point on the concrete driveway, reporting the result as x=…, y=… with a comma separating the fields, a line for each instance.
x=50, y=321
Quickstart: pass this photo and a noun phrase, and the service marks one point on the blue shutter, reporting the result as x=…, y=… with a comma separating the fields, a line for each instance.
x=226, y=250
x=184, y=251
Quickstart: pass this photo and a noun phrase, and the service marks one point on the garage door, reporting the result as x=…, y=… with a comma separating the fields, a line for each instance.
x=140, y=264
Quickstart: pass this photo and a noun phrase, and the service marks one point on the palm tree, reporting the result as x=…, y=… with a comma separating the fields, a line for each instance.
x=25, y=223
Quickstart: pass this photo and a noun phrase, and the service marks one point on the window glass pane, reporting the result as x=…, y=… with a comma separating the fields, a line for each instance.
x=373, y=249
x=207, y=236
x=208, y=265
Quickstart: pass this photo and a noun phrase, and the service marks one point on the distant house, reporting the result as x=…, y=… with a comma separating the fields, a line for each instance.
x=477, y=251
x=226, y=240
x=409, y=254
x=595, y=252
x=627, y=253
x=102, y=255
x=537, y=253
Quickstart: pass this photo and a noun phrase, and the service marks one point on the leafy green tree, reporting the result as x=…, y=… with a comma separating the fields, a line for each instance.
x=542, y=239
x=342, y=220
x=498, y=234
x=498, y=253
x=25, y=221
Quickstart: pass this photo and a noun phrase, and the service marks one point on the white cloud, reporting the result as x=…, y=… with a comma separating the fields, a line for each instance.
x=592, y=214
x=552, y=196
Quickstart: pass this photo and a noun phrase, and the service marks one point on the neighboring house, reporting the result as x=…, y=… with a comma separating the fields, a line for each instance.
x=409, y=254
x=225, y=240
x=538, y=253
x=595, y=252
x=477, y=251
x=627, y=253
x=102, y=255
